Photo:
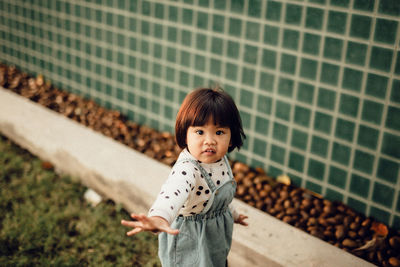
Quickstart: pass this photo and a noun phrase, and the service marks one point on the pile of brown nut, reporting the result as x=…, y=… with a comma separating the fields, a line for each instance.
x=333, y=222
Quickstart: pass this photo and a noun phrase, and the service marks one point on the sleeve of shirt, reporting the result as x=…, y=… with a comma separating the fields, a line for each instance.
x=234, y=212
x=174, y=192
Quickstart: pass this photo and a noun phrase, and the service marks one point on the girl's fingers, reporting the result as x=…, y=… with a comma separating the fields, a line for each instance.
x=131, y=223
x=134, y=231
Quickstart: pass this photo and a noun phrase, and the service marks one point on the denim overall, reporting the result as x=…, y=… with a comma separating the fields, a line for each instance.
x=204, y=239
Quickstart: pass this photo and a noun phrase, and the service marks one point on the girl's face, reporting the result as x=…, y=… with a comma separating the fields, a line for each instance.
x=208, y=143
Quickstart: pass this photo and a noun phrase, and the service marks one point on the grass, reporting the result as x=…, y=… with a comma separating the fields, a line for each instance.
x=45, y=220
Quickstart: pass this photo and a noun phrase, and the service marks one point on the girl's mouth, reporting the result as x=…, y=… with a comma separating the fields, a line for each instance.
x=209, y=151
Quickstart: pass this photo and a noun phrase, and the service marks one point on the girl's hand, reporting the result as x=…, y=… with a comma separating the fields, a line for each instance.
x=240, y=220
x=154, y=224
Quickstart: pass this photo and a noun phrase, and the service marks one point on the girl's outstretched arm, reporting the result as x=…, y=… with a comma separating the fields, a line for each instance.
x=154, y=224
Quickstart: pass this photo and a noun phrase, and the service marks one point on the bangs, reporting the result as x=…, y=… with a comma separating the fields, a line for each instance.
x=205, y=111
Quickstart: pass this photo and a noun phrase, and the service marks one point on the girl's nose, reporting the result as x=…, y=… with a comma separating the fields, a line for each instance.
x=209, y=140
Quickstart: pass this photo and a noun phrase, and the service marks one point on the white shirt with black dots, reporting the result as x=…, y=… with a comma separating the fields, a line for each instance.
x=186, y=192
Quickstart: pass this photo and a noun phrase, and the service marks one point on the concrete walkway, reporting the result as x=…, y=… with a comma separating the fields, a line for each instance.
x=117, y=172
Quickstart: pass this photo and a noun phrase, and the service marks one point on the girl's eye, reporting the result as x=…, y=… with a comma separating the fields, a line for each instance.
x=199, y=132
x=219, y=132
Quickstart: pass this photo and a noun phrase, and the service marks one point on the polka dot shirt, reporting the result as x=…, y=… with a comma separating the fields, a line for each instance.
x=186, y=192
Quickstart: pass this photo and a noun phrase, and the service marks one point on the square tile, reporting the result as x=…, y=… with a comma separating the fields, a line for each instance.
x=356, y=53
x=364, y=5
x=340, y=153
x=376, y=85
x=252, y=31
x=311, y=43
x=397, y=65
x=237, y=6
x=299, y=139
x=280, y=132
x=340, y=3
x=319, y=146
x=288, y=63
x=368, y=137
x=389, y=7
x=323, y=122
x=259, y=147
x=184, y=78
x=202, y=20
x=277, y=154
x=282, y=110
x=296, y=161
x=383, y=195
x=337, y=177
x=329, y=74
x=363, y=161
x=360, y=26
x=305, y=93
x=251, y=54
x=293, y=14
x=235, y=27
x=302, y=116
x=269, y=58
x=390, y=145
x=199, y=63
x=314, y=187
x=262, y=125
x=217, y=45
x=248, y=76
x=218, y=23
x=285, y=87
x=172, y=13
x=266, y=82
x=264, y=104
x=357, y=205
x=381, y=58
x=172, y=34
x=271, y=35
x=348, y=105
x=333, y=48
x=246, y=98
x=393, y=118
x=388, y=170
x=337, y=22
x=308, y=68
x=274, y=10
x=215, y=67
x=385, y=31
x=220, y=4
x=316, y=169
x=333, y=195
x=326, y=99
x=254, y=9
x=291, y=39
x=314, y=18
x=201, y=42
x=231, y=71
x=344, y=129
x=233, y=49
x=352, y=79
x=159, y=11
x=185, y=59
x=359, y=185
x=372, y=112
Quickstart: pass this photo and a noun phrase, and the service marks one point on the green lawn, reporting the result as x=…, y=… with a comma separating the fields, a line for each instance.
x=45, y=220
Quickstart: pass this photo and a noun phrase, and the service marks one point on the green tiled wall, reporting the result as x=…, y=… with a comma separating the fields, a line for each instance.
x=317, y=82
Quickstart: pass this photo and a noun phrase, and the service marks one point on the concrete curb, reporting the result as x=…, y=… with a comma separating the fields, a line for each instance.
x=133, y=179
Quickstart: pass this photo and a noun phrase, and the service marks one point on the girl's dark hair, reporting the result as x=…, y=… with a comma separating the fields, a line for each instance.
x=205, y=103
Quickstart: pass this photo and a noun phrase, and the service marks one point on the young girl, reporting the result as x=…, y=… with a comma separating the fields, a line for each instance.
x=193, y=211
